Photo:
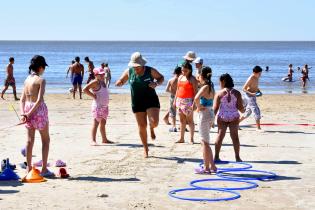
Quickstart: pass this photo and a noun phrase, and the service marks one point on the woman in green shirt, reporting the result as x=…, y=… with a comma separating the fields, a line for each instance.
x=145, y=103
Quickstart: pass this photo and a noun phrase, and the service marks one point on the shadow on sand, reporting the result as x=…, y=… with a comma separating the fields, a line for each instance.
x=102, y=179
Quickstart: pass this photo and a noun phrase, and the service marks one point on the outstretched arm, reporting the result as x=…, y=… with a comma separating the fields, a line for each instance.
x=123, y=78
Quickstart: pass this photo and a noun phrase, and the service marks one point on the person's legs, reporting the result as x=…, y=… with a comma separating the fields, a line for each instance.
x=233, y=126
x=45, y=146
x=222, y=126
x=74, y=90
x=208, y=157
x=29, y=147
x=103, y=132
x=94, y=131
x=14, y=92
x=3, y=91
x=182, y=119
x=153, y=117
x=166, y=118
x=80, y=91
x=190, y=121
x=141, y=118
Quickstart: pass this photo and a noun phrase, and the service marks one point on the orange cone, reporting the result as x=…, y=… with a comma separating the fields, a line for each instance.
x=33, y=176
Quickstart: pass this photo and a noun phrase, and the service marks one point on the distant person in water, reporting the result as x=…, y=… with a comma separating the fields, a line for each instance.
x=90, y=69
x=10, y=80
x=305, y=71
x=251, y=89
x=145, y=103
x=267, y=68
x=171, y=88
x=108, y=75
x=77, y=74
x=289, y=78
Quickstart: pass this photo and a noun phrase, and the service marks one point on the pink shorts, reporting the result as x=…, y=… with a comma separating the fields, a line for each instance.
x=184, y=105
x=39, y=118
x=99, y=112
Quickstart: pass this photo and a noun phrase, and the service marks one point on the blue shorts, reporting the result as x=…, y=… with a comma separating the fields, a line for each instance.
x=76, y=79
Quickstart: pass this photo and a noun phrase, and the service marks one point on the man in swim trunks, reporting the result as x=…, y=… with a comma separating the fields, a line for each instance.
x=77, y=73
x=90, y=69
x=10, y=81
x=251, y=88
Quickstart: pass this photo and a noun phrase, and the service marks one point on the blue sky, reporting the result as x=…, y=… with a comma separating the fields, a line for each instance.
x=179, y=20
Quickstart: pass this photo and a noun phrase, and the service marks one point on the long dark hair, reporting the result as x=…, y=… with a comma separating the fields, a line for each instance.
x=206, y=73
x=227, y=79
x=187, y=65
x=36, y=62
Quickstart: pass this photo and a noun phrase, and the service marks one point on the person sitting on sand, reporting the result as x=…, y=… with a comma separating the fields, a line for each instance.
x=289, y=78
x=145, y=103
x=99, y=105
x=187, y=87
x=34, y=112
x=171, y=88
x=77, y=74
x=251, y=89
x=227, y=104
x=204, y=104
x=304, y=77
x=90, y=69
x=10, y=80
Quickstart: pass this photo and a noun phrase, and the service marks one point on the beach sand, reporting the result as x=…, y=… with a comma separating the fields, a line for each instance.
x=118, y=177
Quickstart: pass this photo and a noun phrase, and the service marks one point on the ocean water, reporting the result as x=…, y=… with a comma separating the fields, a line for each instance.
x=235, y=58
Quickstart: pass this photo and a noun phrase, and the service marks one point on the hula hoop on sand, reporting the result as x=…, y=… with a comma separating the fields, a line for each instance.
x=250, y=186
x=246, y=165
x=234, y=196
x=225, y=175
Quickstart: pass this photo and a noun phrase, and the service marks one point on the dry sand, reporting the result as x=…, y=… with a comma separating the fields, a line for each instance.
x=118, y=177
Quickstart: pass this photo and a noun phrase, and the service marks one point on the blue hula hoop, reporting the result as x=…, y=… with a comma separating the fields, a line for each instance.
x=246, y=166
x=251, y=184
x=269, y=175
x=173, y=195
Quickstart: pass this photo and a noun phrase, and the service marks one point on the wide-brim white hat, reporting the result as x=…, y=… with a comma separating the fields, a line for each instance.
x=190, y=56
x=136, y=60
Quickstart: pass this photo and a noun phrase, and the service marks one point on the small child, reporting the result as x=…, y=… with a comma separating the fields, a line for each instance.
x=204, y=102
x=251, y=89
x=99, y=105
x=227, y=104
x=171, y=88
x=34, y=112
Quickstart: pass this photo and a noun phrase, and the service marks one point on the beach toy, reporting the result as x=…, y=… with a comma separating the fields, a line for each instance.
x=70, y=90
x=33, y=176
x=4, y=165
x=40, y=163
x=63, y=173
x=8, y=173
x=60, y=163
x=234, y=196
x=23, y=151
x=258, y=94
x=263, y=175
x=250, y=185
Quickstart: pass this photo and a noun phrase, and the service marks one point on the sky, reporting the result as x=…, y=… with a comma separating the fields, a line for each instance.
x=158, y=20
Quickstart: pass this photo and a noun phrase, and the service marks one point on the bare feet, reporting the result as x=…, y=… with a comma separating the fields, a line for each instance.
x=17, y=99
x=146, y=152
x=2, y=97
x=166, y=121
x=180, y=141
x=191, y=142
x=217, y=159
x=93, y=143
x=153, y=137
x=238, y=159
x=107, y=142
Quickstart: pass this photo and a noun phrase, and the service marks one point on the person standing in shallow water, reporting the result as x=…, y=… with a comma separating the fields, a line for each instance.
x=90, y=69
x=77, y=74
x=145, y=103
x=10, y=80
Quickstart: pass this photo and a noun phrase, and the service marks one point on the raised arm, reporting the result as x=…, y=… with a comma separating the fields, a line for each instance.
x=123, y=78
x=89, y=86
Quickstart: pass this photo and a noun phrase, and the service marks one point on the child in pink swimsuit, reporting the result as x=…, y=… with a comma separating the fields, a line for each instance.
x=227, y=103
x=34, y=112
x=99, y=105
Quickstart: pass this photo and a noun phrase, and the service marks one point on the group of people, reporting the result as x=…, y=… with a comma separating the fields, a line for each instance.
x=189, y=93
x=304, y=72
x=76, y=69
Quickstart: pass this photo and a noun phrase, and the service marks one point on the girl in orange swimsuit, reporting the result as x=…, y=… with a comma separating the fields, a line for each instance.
x=186, y=90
